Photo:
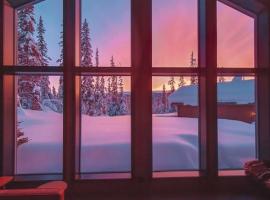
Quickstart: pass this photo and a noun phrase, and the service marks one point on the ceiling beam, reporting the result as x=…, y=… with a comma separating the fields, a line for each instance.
x=19, y=3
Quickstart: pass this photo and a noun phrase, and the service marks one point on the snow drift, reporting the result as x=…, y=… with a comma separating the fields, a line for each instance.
x=106, y=143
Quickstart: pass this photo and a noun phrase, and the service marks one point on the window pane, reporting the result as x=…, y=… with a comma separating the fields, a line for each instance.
x=39, y=34
x=175, y=123
x=105, y=33
x=236, y=121
x=175, y=33
x=39, y=128
x=235, y=38
x=106, y=124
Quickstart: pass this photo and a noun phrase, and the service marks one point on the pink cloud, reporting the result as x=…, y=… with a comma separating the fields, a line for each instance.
x=235, y=38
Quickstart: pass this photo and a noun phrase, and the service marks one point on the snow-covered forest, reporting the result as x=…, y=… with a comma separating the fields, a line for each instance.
x=99, y=95
x=105, y=114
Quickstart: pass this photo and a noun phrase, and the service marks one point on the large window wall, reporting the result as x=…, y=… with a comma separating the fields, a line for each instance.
x=133, y=88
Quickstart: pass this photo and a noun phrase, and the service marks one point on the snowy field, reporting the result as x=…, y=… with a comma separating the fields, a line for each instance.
x=106, y=143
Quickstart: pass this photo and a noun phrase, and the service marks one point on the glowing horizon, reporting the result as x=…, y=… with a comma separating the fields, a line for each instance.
x=175, y=33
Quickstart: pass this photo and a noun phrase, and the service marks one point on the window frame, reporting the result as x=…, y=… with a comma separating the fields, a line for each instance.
x=141, y=73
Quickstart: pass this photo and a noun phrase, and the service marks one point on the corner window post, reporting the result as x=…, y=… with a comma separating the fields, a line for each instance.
x=263, y=85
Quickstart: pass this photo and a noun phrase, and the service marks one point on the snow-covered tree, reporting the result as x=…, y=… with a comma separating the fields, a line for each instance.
x=113, y=99
x=20, y=137
x=193, y=79
x=181, y=82
x=54, y=94
x=60, y=93
x=42, y=45
x=221, y=79
x=88, y=83
x=103, y=95
x=171, y=83
x=28, y=51
x=60, y=60
x=86, y=48
x=87, y=95
x=28, y=55
x=164, y=100
x=97, y=58
x=123, y=107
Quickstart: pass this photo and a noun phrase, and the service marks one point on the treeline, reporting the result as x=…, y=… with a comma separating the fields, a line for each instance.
x=99, y=95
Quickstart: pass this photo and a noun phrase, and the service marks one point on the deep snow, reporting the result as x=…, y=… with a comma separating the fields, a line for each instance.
x=106, y=143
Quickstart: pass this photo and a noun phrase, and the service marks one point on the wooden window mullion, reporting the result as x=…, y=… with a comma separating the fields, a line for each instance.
x=141, y=89
x=208, y=88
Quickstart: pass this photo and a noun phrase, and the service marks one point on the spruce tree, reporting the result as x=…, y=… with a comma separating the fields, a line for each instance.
x=113, y=99
x=28, y=55
x=193, y=79
x=21, y=138
x=164, y=100
x=103, y=96
x=123, y=108
x=171, y=83
x=87, y=84
x=221, y=79
x=42, y=45
x=97, y=58
x=181, y=81
x=54, y=94
x=28, y=51
x=60, y=61
x=86, y=48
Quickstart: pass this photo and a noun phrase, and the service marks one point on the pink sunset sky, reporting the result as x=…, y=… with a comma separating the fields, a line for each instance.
x=175, y=34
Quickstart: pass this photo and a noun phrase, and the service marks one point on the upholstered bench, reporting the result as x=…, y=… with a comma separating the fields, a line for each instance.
x=54, y=190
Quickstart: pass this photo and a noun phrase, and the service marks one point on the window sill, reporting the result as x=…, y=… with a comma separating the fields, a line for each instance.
x=103, y=176
x=231, y=173
x=176, y=174
x=38, y=177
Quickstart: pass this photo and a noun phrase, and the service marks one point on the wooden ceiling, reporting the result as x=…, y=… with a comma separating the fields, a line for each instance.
x=18, y=3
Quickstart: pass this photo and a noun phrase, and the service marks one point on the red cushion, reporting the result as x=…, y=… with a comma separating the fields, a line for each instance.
x=32, y=194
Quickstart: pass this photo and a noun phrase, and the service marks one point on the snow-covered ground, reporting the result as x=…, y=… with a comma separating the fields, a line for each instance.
x=106, y=143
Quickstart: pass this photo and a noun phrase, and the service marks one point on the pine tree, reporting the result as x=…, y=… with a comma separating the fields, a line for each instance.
x=42, y=45
x=113, y=99
x=181, y=81
x=28, y=55
x=221, y=79
x=100, y=94
x=193, y=79
x=87, y=84
x=123, y=108
x=28, y=51
x=54, y=94
x=60, y=61
x=164, y=100
x=103, y=95
x=60, y=93
x=97, y=58
x=20, y=137
x=171, y=83
x=86, y=48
